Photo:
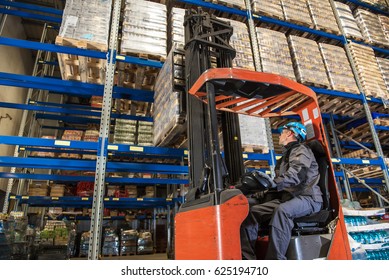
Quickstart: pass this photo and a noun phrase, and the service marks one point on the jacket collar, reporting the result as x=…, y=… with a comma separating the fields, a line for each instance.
x=289, y=146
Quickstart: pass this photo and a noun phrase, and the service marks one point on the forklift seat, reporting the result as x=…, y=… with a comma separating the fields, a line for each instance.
x=316, y=222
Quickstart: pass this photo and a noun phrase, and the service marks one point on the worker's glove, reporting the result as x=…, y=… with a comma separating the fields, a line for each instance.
x=269, y=179
x=255, y=181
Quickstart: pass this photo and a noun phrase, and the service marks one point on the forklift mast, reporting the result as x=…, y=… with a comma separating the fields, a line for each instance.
x=207, y=46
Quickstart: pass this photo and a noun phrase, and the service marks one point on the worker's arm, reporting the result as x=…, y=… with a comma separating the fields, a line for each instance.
x=300, y=160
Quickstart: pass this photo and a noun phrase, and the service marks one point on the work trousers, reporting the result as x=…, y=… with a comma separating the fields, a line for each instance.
x=280, y=213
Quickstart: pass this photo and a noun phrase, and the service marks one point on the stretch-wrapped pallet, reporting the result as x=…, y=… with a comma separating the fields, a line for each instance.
x=86, y=21
x=272, y=8
x=349, y=24
x=144, y=28
x=323, y=16
x=240, y=4
x=296, y=11
x=383, y=64
x=307, y=61
x=240, y=41
x=176, y=28
x=371, y=27
x=125, y=132
x=368, y=71
x=274, y=53
x=338, y=68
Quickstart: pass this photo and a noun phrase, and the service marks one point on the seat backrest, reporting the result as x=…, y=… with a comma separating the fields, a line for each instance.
x=321, y=159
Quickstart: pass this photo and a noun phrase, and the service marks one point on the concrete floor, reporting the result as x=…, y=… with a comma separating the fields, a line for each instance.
x=159, y=256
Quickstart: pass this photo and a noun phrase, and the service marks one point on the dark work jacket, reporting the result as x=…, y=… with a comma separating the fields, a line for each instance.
x=299, y=174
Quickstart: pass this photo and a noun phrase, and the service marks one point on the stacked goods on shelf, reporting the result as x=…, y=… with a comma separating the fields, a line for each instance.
x=84, y=244
x=349, y=24
x=38, y=189
x=71, y=135
x=296, y=12
x=338, y=68
x=128, y=242
x=110, y=243
x=85, y=24
x=57, y=190
x=117, y=191
x=149, y=191
x=307, y=61
x=384, y=20
x=85, y=188
x=252, y=133
x=271, y=8
x=238, y=4
x=176, y=36
x=378, y=3
x=145, y=243
x=145, y=133
x=125, y=132
x=132, y=191
x=240, y=41
x=41, y=153
x=371, y=28
x=91, y=135
x=368, y=71
x=96, y=101
x=54, y=233
x=383, y=64
x=369, y=232
x=144, y=29
x=274, y=53
x=323, y=16
x=168, y=113
x=381, y=121
x=136, y=76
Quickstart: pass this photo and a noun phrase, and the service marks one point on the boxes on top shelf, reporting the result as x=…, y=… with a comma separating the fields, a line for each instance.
x=368, y=71
x=144, y=29
x=240, y=41
x=323, y=16
x=371, y=27
x=176, y=29
x=296, y=11
x=349, y=23
x=384, y=20
x=71, y=135
x=271, y=8
x=274, y=53
x=85, y=25
x=338, y=68
x=307, y=61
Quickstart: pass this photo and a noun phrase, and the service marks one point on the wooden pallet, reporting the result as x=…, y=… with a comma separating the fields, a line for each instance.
x=368, y=172
x=360, y=154
x=255, y=149
x=81, y=68
x=175, y=135
x=257, y=164
x=382, y=122
x=144, y=55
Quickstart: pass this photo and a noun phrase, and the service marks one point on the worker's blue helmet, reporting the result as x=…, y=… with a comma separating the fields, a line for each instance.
x=297, y=128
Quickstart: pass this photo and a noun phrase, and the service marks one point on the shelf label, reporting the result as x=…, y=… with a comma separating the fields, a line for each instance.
x=122, y=57
x=169, y=199
x=25, y=197
x=115, y=199
x=368, y=98
x=335, y=160
x=365, y=161
x=245, y=156
x=278, y=157
x=12, y=197
x=268, y=172
x=84, y=198
x=54, y=198
x=106, y=199
x=136, y=149
x=186, y=152
x=61, y=143
x=139, y=199
x=113, y=147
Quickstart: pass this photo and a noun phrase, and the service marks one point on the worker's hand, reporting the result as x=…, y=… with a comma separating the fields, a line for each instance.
x=267, y=177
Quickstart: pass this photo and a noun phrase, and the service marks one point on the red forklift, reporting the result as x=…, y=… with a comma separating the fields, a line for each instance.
x=207, y=225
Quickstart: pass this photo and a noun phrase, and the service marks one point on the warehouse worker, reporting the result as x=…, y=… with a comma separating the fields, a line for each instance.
x=296, y=194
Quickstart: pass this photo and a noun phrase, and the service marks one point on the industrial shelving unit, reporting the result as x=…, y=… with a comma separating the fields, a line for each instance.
x=103, y=149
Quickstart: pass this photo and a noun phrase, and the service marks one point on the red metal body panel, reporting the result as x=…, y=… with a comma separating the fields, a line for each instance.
x=211, y=233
